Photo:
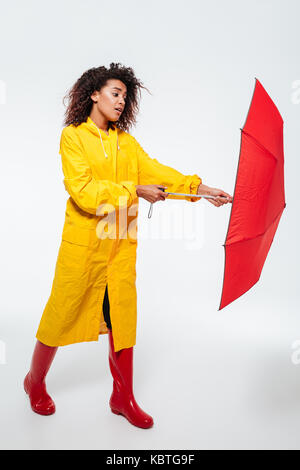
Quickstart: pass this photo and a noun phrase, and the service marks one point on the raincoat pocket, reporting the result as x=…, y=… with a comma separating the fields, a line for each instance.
x=76, y=235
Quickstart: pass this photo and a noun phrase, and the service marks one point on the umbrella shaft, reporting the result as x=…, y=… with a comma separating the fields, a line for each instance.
x=192, y=195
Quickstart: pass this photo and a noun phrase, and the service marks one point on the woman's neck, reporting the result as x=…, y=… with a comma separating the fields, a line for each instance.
x=100, y=121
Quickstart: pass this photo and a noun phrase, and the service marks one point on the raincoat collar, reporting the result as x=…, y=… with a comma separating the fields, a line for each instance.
x=95, y=129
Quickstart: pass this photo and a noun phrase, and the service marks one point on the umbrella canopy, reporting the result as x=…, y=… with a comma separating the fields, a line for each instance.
x=258, y=199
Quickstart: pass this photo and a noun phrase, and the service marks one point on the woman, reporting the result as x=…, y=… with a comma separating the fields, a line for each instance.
x=106, y=171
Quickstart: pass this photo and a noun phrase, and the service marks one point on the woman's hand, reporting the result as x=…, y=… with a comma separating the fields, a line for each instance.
x=220, y=197
x=151, y=192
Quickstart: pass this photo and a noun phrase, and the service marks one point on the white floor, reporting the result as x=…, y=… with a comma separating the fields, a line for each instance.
x=208, y=386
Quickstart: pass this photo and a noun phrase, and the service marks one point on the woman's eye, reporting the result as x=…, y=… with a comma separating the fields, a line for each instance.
x=116, y=94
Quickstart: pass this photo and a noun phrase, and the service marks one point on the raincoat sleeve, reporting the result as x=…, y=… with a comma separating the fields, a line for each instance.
x=151, y=171
x=87, y=192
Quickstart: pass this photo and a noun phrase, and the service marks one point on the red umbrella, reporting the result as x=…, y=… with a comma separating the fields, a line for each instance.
x=258, y=199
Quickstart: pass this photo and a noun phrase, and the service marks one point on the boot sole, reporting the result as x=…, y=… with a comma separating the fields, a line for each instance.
x=43, y=413
x=116, y=412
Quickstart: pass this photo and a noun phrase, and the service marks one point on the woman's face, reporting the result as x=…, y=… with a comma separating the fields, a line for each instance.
x=110, y=100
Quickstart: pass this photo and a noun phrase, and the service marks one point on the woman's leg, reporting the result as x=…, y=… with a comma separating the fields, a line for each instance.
x=105, y=308
x=34, y=383
x=122, y=400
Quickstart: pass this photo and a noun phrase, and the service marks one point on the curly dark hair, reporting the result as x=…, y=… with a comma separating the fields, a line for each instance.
x=79, y=96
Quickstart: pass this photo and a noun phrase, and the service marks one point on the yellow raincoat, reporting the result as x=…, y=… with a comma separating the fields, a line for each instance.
x=94, y=252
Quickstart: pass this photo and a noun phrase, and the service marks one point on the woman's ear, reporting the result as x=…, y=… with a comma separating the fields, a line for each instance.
x=95, y=96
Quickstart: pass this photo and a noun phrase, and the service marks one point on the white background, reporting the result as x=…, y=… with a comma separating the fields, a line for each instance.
x=211, y=379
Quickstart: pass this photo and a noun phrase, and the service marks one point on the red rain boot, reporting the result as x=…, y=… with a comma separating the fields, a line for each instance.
x=122, y=400
x=34, y=383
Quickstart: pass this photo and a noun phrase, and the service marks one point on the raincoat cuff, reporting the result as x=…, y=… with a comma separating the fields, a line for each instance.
x=192, y=186
x=130, y=186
